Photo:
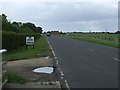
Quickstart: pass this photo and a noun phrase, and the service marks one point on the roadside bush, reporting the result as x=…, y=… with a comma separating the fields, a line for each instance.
x=12, y=40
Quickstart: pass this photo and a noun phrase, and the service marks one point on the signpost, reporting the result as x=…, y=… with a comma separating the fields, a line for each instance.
x=29, y=41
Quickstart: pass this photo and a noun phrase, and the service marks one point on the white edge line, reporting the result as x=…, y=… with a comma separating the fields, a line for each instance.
x=51, y=48
x=67, y=84
x=62, y=73
x=62, y=77
x=116, y=59
x=55, y=57
x=57, y=62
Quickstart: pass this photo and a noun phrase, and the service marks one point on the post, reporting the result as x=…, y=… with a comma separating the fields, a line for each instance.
x=26, y=46
x=33, y=46
x=3, y=69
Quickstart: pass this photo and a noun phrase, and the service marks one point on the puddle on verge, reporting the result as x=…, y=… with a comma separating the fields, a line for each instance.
x=47, y=70
x=46, y=57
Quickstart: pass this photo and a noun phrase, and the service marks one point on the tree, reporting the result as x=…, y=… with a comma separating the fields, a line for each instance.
x=19, y=26
x=4, y=16
x=118, y=32
x=15, y=24
x=39, y=29
x=29, y=25
x=25, y=30
x=32, y=27
x=20, y=23
x=6, y=26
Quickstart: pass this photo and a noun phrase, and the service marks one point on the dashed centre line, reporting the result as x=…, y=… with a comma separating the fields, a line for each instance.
x=116, y=59
x=90, y=49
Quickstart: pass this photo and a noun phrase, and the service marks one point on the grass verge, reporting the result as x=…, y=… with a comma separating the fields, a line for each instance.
x=93, y=40
x=14, y=77
x=41, y=49
x=97, y=41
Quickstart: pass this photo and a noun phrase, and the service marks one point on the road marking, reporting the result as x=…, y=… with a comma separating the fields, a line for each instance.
x=57, y=62
x=90, y=49
x=59, y=69
x=65, y=81
x=62, y=73
x=67, y=85
x=62, y=77
x=55, y=57
x=116, y=59
x=51, y=49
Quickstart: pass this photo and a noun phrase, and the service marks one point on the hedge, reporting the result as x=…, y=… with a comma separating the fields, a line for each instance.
x=12, y=40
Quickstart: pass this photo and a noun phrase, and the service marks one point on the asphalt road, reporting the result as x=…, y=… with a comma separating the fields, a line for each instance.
x=86, y=65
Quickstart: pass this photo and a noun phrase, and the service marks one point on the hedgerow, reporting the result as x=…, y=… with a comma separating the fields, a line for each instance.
x=12, y=40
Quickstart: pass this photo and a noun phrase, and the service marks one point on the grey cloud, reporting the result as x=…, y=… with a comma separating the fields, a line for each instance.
x=64, y=16
x=82, y=12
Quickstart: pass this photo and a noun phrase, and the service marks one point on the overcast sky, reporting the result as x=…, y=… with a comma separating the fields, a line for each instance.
x=68, y=16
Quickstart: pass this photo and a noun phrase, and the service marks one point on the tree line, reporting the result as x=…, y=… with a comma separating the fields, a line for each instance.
x=19, y=27
x=14, y=34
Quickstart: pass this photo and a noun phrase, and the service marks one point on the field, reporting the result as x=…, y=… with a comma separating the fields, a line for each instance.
x=104, y=39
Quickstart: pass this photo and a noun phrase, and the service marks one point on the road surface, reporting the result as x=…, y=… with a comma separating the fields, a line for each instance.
x=86, y=65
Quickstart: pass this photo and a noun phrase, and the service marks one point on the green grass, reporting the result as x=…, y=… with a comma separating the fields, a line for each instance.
x=41, y=49
x=93, y=38
x=97, y=41
x=14, y=77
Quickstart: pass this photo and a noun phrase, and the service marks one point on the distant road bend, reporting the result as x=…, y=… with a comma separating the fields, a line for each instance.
x=86, y=65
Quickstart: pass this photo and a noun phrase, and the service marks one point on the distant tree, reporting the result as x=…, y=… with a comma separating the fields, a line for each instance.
x=118, y=32
x=4, y=16
x=39, y=29
x=20, y=23
x=25, y=30
x=15, y=24
x=102, y=32
x=49, y=32
x=19, y=26
x=61, y=32
x=5, y=24
x=29, y=25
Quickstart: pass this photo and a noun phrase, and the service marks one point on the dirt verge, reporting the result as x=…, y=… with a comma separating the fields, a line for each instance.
x=25, y=67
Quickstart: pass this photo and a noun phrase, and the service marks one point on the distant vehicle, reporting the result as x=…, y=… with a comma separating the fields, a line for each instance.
x=48, y=34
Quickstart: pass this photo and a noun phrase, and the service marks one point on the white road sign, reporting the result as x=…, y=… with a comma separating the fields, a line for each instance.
x=29, y=40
